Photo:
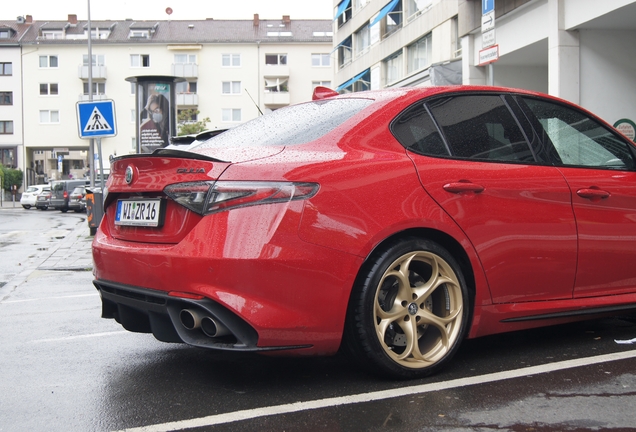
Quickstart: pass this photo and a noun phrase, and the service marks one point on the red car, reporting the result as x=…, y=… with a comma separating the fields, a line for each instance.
x=392, y=223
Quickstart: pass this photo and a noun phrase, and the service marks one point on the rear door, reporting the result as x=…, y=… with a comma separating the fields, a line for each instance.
x=475, y=160
x=599, y=166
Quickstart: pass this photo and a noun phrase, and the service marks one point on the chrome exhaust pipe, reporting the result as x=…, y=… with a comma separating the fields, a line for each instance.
x=190, y=319
x=213, y=328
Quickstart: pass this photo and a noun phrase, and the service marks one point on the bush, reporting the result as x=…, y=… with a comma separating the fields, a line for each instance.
x=10, y=177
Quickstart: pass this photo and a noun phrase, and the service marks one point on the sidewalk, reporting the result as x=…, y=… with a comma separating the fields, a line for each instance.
x=73, y=252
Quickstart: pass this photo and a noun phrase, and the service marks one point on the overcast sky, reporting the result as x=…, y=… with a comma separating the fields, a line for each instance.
x=57, y=10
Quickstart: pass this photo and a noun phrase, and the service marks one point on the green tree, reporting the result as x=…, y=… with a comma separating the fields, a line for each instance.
x=187, y=126
x=10, y=177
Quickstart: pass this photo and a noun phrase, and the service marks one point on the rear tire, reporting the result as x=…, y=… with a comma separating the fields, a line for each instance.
x=26, y=206
x=409, y=310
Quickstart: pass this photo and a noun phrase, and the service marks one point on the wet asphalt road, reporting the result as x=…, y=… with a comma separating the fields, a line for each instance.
x=66, y=369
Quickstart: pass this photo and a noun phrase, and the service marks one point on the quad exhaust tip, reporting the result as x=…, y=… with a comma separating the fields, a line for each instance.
x=192, y=320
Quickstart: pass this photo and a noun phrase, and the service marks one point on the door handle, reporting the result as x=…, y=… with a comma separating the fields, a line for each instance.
x=463, y=186
x=593, y=193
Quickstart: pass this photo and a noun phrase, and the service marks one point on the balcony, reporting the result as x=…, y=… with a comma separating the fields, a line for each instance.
x=96, y=97
x=276, y=98
x=99, y=72
x=187, y=99
x=185, y=70
x=276, y=71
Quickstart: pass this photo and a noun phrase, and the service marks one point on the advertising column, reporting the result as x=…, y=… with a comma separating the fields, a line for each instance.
x=156, y=111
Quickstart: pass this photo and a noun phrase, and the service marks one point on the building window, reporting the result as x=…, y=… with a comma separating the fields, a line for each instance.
x=321, y=60
x=275, y=59
x=231, y=60
x=6, y=98
x=6, y=127
x=315, y=84
x=6, y=68
x=344, y=52
x=139, y=60
x=98, y=60
x=416, y=7
x=231, y=87
x=49, y=116
x=48, y=89
x=419, y=54
x=99, y=88
x=133, y=88
x=53, y=34
x=185, y=58
x=7, y=156
x=394, y=67
x=5, y=34
x=363, y=39
x=48, y=61
x=343, y=12
x=393, y=20
x=143, y=34
x=186, y=87
x=231, y=114
x=359, y=4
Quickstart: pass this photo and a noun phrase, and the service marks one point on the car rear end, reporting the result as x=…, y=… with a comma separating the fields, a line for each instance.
x=43, y=200
x=59, y=195
x=203, y=246
x=77, y=200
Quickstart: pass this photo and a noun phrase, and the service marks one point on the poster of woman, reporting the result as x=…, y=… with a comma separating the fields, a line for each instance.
x=154, y=126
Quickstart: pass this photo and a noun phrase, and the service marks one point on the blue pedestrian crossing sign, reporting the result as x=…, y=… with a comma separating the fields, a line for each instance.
x=96, y=119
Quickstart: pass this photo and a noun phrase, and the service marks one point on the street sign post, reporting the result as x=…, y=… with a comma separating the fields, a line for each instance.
x=490, y=49
x=96, y=119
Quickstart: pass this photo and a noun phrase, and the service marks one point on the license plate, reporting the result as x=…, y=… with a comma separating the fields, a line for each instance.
x=139, y=212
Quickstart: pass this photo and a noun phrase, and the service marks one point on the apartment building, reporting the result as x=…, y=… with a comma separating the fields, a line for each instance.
x=11, y=145
x=580, y=50
x=395, y=43
x=230, y=71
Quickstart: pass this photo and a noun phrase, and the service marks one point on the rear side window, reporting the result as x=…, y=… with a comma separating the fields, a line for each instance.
x=580, y=140
x=480, y=127
x=472, y=127
x=295, y=124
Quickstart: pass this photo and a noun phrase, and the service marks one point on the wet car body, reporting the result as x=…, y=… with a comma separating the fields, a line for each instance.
x=384, y=228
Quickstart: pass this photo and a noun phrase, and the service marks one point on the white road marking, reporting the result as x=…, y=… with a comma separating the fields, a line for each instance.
x=379, y=395
x=84, y=336
x=50, y=298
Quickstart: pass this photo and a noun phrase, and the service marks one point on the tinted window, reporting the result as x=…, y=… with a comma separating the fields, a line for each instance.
x=415, y=130
x=296, y=124
x=480, y=127
x=580, y=140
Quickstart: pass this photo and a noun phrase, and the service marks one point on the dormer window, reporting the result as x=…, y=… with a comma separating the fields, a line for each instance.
x=52, y=34
x=6, y=33
x=139, y=34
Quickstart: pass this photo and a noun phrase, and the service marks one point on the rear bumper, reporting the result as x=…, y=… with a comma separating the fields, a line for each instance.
x=290, y=293
x=149, y=311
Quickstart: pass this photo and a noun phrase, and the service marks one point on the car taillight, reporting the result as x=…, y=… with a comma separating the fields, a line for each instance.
x=65, y=194
x=213, y=197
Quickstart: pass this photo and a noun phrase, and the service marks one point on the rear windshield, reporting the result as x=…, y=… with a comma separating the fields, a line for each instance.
x=57, y=186
x=295, y=124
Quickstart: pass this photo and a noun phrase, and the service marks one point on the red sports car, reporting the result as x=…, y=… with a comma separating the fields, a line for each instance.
x=392, y=223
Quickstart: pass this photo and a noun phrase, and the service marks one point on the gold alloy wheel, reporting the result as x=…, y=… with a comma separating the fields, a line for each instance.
x=418, y=309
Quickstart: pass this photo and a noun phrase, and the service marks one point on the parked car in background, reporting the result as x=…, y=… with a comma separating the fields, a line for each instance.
x=29, y=196
x=77, y=199
x=394, y=224
x=43, y=200
x=61, y=191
